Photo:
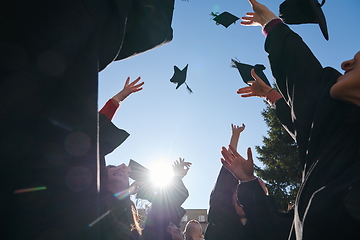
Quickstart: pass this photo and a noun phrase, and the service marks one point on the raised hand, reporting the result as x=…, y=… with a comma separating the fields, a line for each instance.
x=129, y=88
x=260, y=17
x=237, y=129
x=241, y=168
x=257, y=88
x=180, y=167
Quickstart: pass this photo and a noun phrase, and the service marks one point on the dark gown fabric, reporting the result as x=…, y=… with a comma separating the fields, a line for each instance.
x=110, y=137
x=327, y=133
x=50, y=56
x=117, y=222
x=165, y=208
x=223, y=221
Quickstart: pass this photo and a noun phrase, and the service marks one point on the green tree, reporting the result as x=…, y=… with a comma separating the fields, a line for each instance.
x=279, y=155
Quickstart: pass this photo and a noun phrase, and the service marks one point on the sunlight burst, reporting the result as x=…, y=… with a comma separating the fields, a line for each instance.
x=161, y=173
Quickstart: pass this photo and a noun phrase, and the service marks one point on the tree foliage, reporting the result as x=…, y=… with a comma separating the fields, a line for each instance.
x=279, y=155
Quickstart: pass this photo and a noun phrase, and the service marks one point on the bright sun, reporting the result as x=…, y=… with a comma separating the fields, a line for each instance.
x=161, y=173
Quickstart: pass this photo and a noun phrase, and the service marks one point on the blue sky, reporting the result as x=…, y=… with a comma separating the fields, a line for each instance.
x=166, y=124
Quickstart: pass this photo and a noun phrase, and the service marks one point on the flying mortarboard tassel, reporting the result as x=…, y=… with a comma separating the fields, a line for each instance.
x=245, y=71
x=179, y=77
x=304, y=11
x=225, y=18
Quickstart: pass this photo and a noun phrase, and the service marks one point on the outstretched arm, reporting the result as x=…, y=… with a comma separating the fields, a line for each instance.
x=258, y=88
x=255, y=206
x=299, y=76
x=112, y=105
x=129, y=88
x=241, y=168
x=260, y=17
x=236, y=130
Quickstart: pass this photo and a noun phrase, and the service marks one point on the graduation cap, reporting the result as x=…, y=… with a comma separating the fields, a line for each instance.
x=304, y=11
x=179, y=77
x=138, y=171
x=143, y=175
x=245, y=71
x=225, y=18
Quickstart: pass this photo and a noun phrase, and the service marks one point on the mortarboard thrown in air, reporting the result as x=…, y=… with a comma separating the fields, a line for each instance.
x=225, y=18
x=245, y=71
x=179, y=77
x=142, y=175
x=138, y=171
x=304, y=11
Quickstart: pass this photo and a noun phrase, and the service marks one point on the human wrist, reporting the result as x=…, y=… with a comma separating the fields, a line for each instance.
x=115, y=102
x=268, y=26
x=272, y=96
x=119, y=97
x=178, y=176
x=269, y=91
x=268, y=20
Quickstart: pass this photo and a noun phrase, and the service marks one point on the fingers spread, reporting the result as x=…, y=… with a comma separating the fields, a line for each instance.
x=227, y=155
x=127, y=81
x=233, y=150
x=254, y=75
x=249, y=155
x=250, y=14
x=225, y=163
x=135, y=81
x=246, y=23
x=139, y=89
x=139, y=85
x=247, y=95
x=187, y=164
x=244, y=90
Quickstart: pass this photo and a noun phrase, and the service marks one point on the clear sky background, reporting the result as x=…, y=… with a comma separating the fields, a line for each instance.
x=166, y=124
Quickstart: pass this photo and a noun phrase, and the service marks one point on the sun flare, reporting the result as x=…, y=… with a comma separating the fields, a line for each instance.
x=161, y=173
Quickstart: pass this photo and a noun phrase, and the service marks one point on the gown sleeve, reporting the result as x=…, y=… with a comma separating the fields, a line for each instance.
x=301, y=80
x=166, y=208
x=263, y=218
x=109, y=109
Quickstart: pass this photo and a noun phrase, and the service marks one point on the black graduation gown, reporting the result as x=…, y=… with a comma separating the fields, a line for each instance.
x=326, y=131
x=223, y=221
x=117, y=222
x=50, y=56
x=165, y=208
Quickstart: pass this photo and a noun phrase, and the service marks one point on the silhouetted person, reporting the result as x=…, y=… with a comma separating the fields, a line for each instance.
x=50, y=56
x=320, y=108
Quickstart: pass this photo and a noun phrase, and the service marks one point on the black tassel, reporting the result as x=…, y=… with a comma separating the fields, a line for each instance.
x=233, y=63
x=189, y=89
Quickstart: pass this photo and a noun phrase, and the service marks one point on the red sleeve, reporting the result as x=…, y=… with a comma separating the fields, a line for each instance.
x=110, y=108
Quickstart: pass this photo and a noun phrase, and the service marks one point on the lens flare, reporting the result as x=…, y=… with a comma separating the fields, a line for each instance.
x=161, y=173
x=125, y=193
x=98, y=219
x=29, y=190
